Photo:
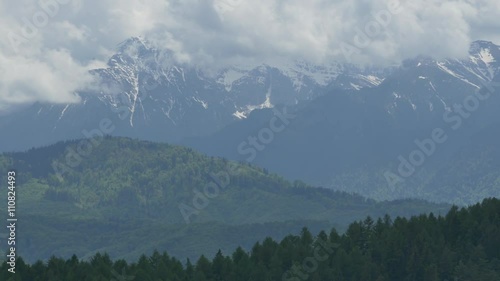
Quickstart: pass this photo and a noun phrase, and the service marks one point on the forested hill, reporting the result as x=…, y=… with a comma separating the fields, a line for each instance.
x=123, y=178
x=463, y=245
x=126, y=190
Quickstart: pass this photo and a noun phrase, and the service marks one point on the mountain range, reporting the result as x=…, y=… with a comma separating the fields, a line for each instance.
x=148, y=95
x=353, y=127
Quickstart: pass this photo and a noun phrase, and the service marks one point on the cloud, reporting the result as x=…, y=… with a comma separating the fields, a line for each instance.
x=49, y=45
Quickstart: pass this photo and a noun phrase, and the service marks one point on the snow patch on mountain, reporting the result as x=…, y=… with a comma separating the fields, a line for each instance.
x=486, y=56
x=63, y=111
x=243, y=113
x=240, y=115
x=372, y=79
x=356, y=87
x=203, y=103
x=443, y=67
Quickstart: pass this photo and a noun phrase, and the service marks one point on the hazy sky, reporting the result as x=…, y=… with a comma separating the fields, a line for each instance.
x=49, y=45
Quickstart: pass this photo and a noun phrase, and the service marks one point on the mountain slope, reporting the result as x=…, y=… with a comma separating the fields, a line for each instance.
x=351, y=140
x=143, y=186
x=148, y=94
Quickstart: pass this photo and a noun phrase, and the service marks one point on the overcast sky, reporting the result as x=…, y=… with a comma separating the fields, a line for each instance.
x=49, y=45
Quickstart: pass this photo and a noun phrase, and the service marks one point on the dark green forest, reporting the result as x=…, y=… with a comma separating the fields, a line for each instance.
x=462, y=245
x=126, y=190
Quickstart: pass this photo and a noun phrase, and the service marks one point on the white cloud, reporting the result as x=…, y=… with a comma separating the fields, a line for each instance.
x=54, y=78
x=50, y=55
x=72, y=32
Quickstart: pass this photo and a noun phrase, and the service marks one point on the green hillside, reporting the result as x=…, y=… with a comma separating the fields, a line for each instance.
x=128, y=188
